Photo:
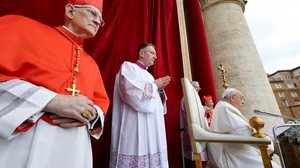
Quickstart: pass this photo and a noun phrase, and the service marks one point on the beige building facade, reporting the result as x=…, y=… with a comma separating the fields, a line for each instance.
x=286, y=88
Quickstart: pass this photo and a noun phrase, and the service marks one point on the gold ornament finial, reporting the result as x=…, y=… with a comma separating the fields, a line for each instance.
x=257, y=123
x=223, y=71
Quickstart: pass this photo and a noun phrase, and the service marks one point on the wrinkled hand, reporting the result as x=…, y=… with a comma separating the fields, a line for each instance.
x=65, y=122
x=207, y=109
x=68, y=110
x=162, y=82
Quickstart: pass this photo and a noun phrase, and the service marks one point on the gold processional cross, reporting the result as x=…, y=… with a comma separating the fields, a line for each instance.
x=223, y=71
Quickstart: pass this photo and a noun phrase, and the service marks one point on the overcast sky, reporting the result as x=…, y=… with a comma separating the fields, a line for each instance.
x=275, y=27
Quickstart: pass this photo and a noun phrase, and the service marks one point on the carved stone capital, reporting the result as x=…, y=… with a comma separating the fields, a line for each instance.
x=210, y=3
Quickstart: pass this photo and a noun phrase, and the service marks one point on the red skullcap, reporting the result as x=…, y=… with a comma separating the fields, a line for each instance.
x=206, y=98
x=97, y=3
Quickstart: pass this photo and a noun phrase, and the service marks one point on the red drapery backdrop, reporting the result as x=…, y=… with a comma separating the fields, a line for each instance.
x=128, y=24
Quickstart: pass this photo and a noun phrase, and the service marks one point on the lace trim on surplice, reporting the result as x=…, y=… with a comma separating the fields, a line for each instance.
x=148, y=90
x=132, y=161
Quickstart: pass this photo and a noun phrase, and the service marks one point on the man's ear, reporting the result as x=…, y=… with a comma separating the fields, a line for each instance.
x=69, y=11
x=232, y=98
x=141, y=53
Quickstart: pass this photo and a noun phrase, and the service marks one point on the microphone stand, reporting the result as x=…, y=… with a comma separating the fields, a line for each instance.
x=259, y=112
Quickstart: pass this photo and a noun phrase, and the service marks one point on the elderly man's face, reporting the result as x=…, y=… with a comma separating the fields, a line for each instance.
x=87, y=20
x=196, y=85
x=209, y=103
x=238, y=100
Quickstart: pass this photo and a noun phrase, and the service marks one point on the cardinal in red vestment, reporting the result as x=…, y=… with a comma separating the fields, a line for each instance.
x=208, y=107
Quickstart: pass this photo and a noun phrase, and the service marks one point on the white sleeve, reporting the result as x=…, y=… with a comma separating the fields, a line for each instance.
x=97, y=131
x=142, y=95
x=164, y=102
x=20, y=101
x=247, y=131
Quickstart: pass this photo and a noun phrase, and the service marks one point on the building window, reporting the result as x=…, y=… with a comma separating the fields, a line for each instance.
x=281, y=94
x=291, y=86
x=297, y=102
x=285, y=103
x=294, y=94
x=278, y=86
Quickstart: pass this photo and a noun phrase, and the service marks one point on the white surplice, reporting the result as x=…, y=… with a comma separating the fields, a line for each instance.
x=228, y=119
x=138, y=127
x=43, y=145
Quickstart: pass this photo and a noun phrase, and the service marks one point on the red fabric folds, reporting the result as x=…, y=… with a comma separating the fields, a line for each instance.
x=200, y=58
x=128, y=24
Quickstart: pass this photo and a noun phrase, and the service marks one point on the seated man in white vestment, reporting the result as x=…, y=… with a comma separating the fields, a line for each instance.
x=228, y=119
x=138, y=127
x=44, y=121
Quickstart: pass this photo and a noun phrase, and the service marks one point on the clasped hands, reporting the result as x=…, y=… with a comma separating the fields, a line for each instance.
x=71, y=111
x=207, y=109
x=162, y=82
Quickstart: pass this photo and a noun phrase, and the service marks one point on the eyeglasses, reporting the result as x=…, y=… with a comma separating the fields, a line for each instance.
x=242, y=98
x=92, y=13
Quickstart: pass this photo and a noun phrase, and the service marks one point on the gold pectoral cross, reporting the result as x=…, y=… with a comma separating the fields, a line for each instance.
x=73, y=90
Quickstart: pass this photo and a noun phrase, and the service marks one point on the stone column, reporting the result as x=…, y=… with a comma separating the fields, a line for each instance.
x=230, y=42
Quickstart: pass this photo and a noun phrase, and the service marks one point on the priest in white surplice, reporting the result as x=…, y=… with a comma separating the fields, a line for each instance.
x=138, y=127
x=228, y=119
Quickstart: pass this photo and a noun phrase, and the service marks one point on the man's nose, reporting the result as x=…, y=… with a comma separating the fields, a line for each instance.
x=97, y=21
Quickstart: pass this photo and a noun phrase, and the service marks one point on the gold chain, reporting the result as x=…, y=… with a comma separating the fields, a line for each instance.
x=76, y=66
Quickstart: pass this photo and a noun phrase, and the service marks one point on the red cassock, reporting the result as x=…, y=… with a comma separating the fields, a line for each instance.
x=46, y=57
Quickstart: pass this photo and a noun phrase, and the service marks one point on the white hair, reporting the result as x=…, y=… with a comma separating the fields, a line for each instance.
x=229, y=92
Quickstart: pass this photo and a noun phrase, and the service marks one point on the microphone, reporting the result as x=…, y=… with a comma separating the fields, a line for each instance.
x=259, y=112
